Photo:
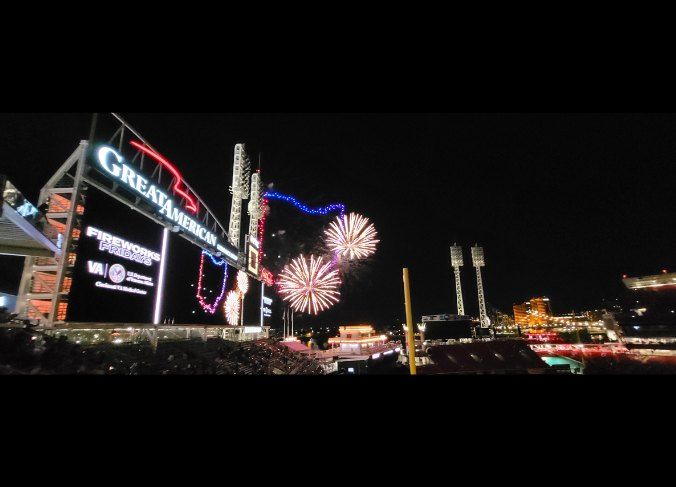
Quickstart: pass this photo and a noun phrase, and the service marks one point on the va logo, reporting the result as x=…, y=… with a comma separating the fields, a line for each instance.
x=95, y=268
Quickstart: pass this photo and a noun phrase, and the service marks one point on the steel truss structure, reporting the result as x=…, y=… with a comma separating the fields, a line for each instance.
x=46, y=281
x=456, y=263
x=241, y=169
x=478, y=262
x=162, y=179
x=255, y=204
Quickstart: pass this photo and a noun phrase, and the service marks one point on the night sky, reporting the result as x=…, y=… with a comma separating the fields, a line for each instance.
x=562, y=204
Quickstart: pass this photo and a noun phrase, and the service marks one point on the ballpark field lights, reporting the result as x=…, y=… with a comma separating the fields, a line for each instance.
x=456, y=263
x=479, y=262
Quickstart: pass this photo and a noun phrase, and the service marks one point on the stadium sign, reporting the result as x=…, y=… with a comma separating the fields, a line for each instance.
x=267, y=312
x=124, y=263
x=112, y=164
x=253, y=247
x=123, y=248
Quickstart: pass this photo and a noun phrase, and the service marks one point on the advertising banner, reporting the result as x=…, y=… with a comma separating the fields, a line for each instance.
x=115, y=278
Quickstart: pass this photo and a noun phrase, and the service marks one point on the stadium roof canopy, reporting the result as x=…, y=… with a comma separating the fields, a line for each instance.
x=21, y=231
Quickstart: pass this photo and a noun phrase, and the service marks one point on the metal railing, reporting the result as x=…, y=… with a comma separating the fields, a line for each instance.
x=37, y=218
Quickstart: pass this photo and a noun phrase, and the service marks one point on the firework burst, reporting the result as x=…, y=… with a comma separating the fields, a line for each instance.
x=309, y=286
x=242, y=282
x=352, y=236
x=231, y=308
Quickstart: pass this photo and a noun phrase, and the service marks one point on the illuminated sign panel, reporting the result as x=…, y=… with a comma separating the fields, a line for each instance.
x=115, y=278
x=267, y=311
x=252, y=255
x=119, y=276
x=123, y=248
x=112, y=164
x=266, y=303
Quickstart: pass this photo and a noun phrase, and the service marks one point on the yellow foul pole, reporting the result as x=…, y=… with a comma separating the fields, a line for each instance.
x=410, y=338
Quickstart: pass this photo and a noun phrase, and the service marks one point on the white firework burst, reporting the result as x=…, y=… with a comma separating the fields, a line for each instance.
x=231, y=308
x=309, y=286
x=352, y=236
x=242, y=282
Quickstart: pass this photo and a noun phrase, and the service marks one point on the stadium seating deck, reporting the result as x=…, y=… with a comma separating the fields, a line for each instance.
x=499, y=356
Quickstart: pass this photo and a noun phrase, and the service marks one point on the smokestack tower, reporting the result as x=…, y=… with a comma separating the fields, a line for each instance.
x=456, y=263
x=479, y=262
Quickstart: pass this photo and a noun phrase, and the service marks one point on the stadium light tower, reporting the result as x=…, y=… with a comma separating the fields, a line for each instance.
x=478, y=262
x=240, y=191
x=255, y=205
x=456, y=263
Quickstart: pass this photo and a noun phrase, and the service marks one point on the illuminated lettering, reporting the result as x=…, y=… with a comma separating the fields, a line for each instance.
x=113, y=170
x=167, y=209
x=141, y=185
x=123, y=248
x=95, y=268
x=152, y=194
x=136, y=182
x=128, y=175
x=162, y=198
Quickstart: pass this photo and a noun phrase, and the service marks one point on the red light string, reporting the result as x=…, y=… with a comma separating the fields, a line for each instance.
x=191, y=203
x=211, y=308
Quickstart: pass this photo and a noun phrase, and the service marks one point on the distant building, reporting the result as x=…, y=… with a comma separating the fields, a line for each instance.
x=666, y=279
x=522, y=314
x=358, y=349
x=541, y=309
x=536, y=314
x=357, y=339
x=649, y=308
x=533, y=313
x=504, y=320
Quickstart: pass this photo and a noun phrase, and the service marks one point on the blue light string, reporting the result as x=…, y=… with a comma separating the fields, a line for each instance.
x=211, y=308
x=325, y=210
x=214, y=259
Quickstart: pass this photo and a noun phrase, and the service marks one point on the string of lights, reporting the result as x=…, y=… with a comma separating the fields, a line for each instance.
x=273, y=195
x=322, y=210
x=211, y=308
x=261, y=228
x=313, y=286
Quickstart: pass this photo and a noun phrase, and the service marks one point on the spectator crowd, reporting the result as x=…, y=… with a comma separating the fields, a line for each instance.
x=26, y=351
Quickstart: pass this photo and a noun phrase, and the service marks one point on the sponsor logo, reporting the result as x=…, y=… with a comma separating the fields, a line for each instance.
x=117, y=273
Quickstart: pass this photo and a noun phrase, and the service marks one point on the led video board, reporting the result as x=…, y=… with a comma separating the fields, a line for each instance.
x=116, y=272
